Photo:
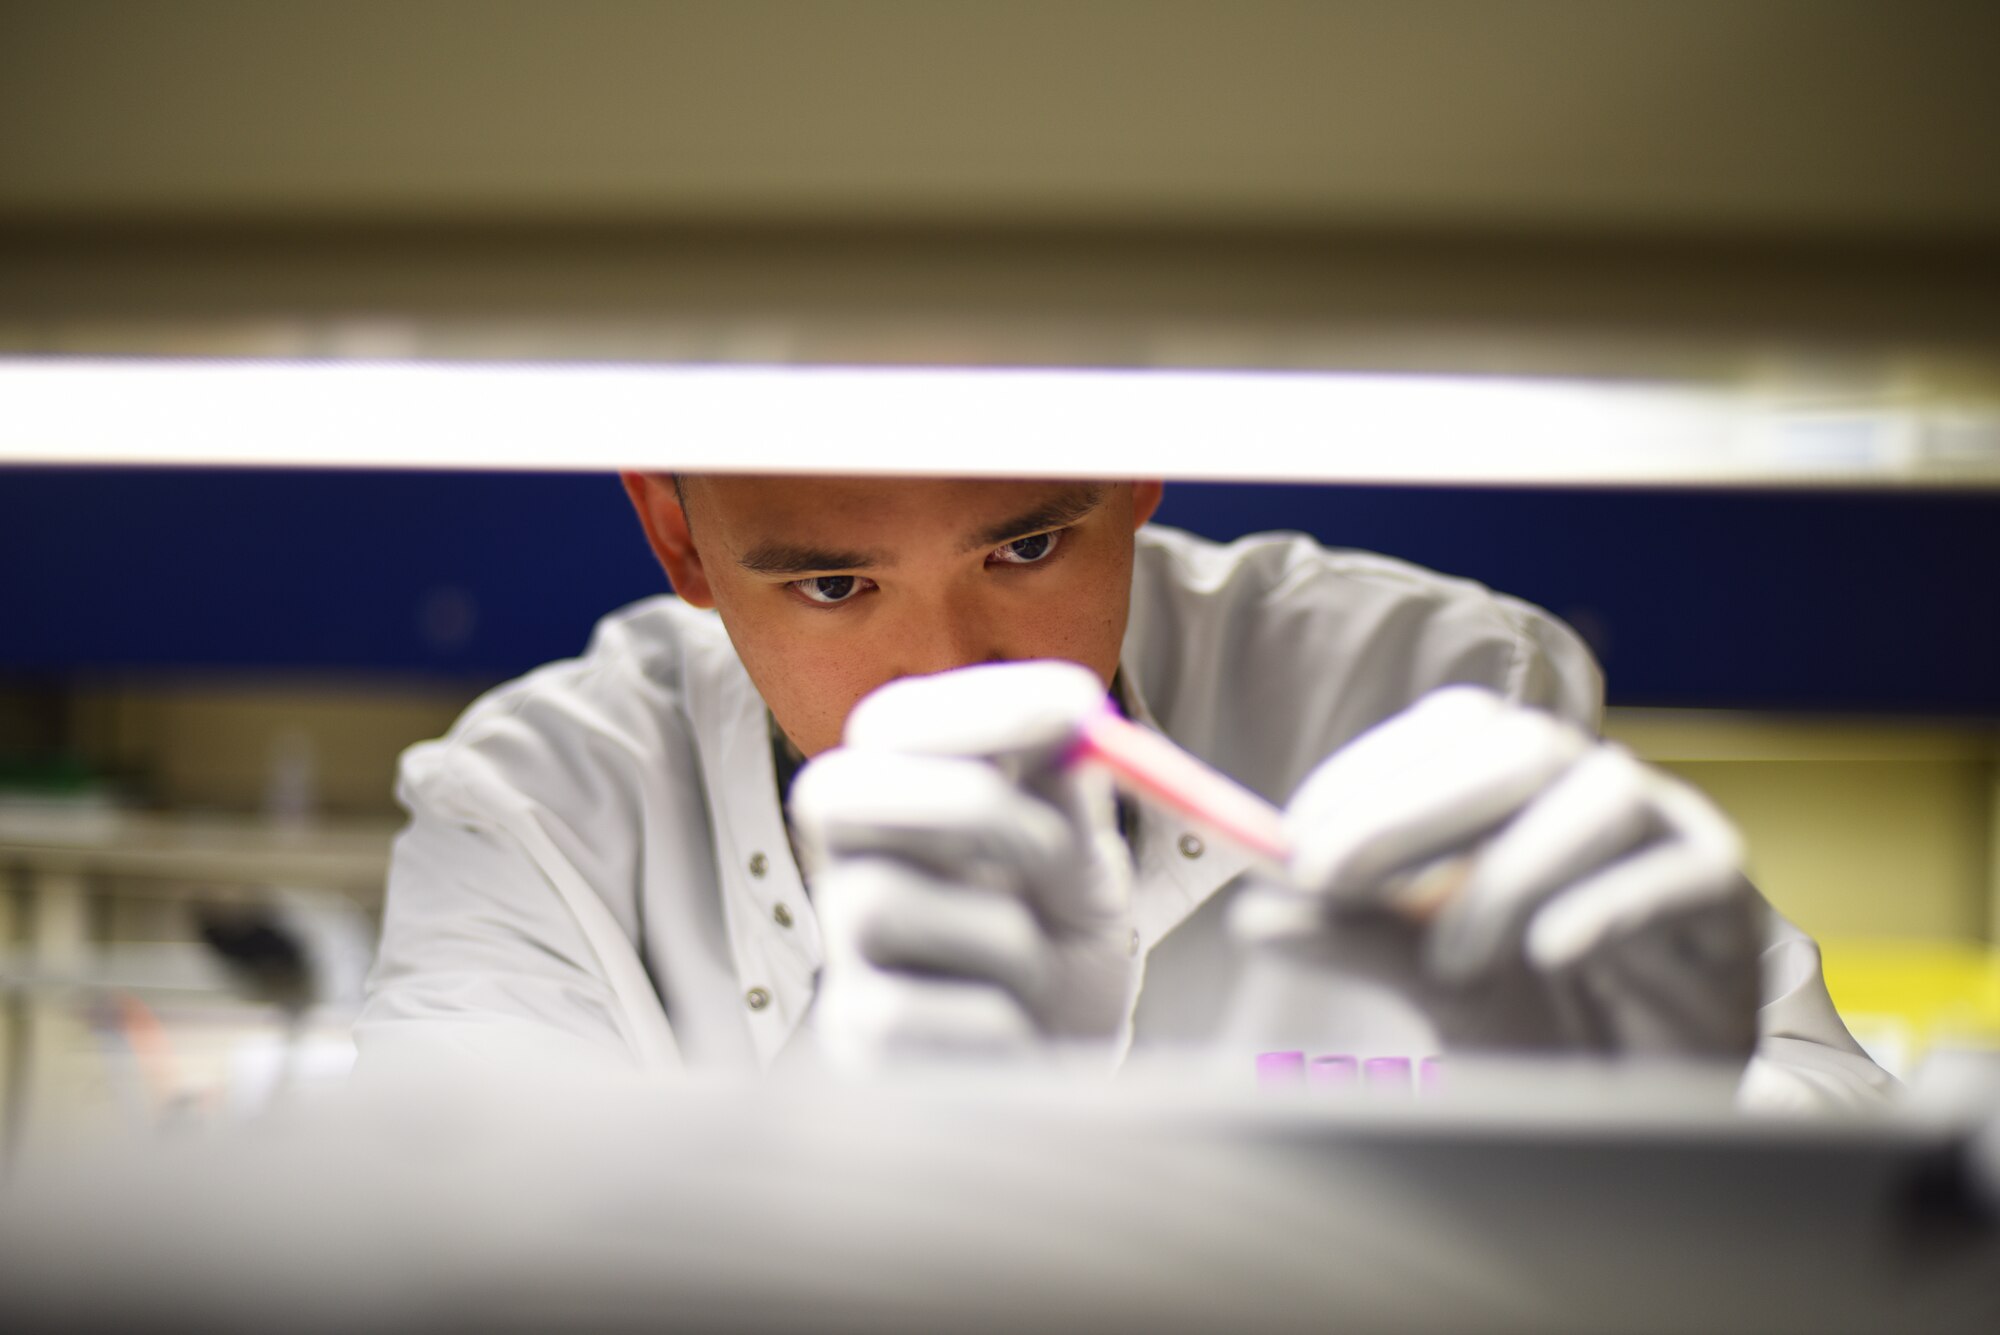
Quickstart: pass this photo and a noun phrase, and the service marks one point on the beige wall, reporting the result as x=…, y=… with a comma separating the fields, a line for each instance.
x=1854, y=829
x=214, y=746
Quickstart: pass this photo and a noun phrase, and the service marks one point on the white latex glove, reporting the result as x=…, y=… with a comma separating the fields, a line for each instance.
x=975, y=898
x=1524, y=884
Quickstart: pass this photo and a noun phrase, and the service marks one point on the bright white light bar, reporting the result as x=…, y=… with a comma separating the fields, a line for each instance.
x=1189, y=424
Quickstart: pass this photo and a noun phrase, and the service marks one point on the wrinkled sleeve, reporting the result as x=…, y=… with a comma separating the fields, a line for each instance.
x=1805, y=1058
x=1552, y=668
x=487, y=955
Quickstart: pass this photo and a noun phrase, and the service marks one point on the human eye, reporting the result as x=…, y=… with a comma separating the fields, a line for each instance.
x=830, y=590
x=1028, y=551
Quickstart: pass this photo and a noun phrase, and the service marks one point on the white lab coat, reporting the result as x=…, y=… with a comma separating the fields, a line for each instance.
x=597, y=865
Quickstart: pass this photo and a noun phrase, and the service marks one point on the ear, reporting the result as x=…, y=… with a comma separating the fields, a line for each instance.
x=1145, y=500
x=667, y=532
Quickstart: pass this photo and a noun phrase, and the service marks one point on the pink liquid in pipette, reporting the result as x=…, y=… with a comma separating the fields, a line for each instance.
x=1152, y=768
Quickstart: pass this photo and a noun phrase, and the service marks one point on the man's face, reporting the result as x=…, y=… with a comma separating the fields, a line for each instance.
x=830, y=587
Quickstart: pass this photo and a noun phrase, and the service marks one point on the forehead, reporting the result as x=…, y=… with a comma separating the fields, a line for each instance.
x=747, y=509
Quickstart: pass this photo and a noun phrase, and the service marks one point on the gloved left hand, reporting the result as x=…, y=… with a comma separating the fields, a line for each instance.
x=1523, y=884
x=974, y=895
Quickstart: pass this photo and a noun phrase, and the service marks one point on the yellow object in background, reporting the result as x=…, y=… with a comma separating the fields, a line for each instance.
x=1903, y=997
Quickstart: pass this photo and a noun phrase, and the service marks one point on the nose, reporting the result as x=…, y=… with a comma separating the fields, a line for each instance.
x=945, y=637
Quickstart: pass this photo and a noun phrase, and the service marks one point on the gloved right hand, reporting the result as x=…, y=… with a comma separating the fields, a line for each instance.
x=1524, y=884
x=974, y=895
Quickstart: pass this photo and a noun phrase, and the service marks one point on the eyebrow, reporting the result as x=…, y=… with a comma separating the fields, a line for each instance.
x=789, y=560
x=1056, y=512
x=792, y=559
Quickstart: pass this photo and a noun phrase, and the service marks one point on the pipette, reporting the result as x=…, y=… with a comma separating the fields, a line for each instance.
x=1060, y=710
x=1153, y=769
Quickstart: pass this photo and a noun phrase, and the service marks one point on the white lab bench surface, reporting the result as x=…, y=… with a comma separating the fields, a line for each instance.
x=1614, y=1203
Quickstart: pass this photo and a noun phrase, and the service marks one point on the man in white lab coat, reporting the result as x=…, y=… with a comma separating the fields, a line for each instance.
x=599, y=863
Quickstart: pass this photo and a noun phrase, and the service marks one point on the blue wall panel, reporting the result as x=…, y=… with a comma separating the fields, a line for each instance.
x=461, y=574
x=1808, y=601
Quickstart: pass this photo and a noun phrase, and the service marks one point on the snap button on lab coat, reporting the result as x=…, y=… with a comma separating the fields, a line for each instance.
x=1133, y=949
x=783, y=915
x=759, y=864
x=1191, y=846
x=758, y=998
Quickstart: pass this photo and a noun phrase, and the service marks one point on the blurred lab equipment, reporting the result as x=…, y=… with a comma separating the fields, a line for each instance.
x=255, y=943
